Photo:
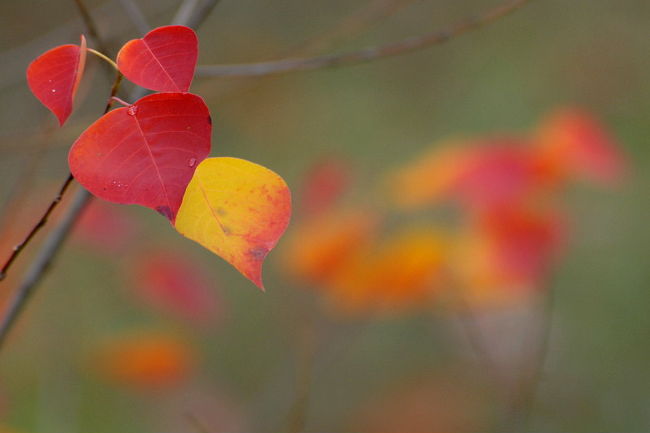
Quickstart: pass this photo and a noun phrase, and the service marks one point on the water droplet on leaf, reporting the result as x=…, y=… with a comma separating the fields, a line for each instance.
x=132, y=110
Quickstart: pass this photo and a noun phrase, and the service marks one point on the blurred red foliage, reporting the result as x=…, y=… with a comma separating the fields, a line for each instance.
x=174, y=284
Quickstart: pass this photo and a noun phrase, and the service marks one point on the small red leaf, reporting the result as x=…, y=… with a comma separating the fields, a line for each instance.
x=324, y=184
x=163, y=60
x=144, y=154
x=106, y=228
x=54, y=76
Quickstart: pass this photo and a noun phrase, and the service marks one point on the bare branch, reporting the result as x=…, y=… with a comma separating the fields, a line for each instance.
x=401, y=47
x=192, y=13
x=91, y=26
x=135, y=15
x=184, y=11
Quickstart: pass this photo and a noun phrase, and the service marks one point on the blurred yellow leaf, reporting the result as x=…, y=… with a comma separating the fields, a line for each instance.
x=236, y=209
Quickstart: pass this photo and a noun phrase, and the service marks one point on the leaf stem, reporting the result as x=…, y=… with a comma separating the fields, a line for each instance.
x=103, y=57
x=121, y=101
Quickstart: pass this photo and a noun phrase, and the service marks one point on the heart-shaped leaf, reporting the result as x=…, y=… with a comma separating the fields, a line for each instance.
x=163, y=60
x=54, y=77
x=236, y=209
x=144, y=154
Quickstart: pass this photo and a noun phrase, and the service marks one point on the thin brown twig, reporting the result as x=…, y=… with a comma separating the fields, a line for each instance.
x=21, y=186
x=363, y=55
x=41, y=222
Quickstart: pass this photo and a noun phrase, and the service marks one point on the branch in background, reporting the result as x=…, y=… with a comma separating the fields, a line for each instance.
x=184, y=11
x=350, y=26
x=135, y=15
x=371, y=13
x=91, y=26
x=398, y=48
x=192, y=13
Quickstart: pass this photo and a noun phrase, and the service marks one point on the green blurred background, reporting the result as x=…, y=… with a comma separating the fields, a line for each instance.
x=591, y=53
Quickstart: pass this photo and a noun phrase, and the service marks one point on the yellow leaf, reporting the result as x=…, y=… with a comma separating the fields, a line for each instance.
x=236, y=209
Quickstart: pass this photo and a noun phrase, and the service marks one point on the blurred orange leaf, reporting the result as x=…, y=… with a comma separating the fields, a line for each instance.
x=404, y=271
x=147, y=361
x=323, y=185
x=317, y=248
x=430, y=177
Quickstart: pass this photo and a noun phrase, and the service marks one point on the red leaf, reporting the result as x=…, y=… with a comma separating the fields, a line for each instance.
x=164, y=60
x=144, y=154
x=174, y=284
x=497, y=172
x=54, y=76
x=106, y=228
x=324, y=183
